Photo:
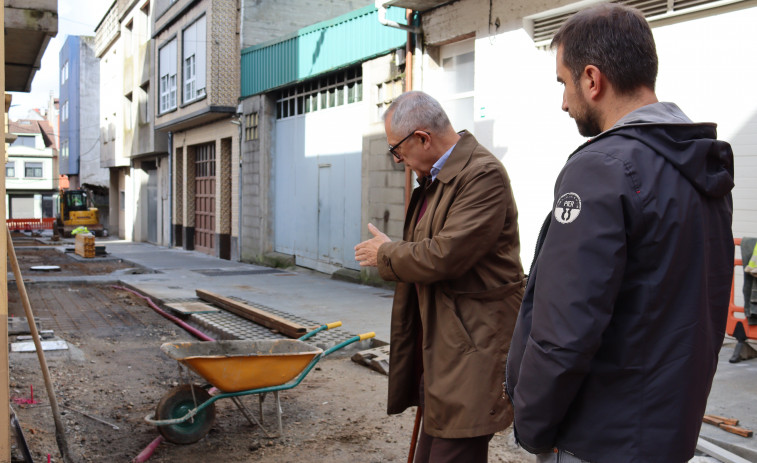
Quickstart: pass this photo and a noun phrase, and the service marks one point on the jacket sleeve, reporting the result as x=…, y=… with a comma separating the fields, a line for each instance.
x=580, y=268
x=471, y=227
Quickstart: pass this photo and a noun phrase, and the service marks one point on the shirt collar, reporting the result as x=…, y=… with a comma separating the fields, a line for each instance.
x=437, y=167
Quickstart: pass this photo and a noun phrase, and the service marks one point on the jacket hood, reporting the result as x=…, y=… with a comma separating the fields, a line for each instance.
x=693, y=148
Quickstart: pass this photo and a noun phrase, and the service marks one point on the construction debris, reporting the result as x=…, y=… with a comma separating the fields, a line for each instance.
x=28, y=346
x=376, y=358
x=718, y=452
x=727, y=424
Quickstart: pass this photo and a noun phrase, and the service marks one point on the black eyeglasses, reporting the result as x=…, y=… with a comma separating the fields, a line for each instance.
x=394, y=147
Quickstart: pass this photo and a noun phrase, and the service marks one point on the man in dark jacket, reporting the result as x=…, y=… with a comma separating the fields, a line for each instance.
x=618, y=335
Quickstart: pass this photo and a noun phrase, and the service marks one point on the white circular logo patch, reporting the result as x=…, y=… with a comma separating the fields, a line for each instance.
x=568, y=207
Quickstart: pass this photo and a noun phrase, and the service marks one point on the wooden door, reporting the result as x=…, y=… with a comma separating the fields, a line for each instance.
x=205, y=197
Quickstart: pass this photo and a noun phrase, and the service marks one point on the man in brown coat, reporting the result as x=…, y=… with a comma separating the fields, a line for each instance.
x=459, y=283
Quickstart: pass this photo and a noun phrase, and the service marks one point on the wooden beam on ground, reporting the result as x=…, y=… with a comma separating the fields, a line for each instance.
x=259, y=316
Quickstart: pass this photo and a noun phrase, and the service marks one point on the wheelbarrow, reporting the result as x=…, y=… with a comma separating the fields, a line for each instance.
x=235, y=368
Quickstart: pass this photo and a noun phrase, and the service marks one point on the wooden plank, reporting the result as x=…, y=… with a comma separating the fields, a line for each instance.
x=5, y=430
x=715, y=419
x=259, y=316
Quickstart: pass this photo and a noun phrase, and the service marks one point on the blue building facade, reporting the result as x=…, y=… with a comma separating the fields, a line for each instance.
x=70, y=139
x=79, y=112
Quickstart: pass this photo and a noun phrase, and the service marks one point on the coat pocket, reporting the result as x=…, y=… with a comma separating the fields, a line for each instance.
x=484, y=320
x=451, y=328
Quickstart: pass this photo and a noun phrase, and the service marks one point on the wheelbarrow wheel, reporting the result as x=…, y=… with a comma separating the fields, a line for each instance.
x=177, y=403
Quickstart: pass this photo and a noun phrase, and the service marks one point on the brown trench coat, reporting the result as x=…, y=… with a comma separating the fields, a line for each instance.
x=463, y=256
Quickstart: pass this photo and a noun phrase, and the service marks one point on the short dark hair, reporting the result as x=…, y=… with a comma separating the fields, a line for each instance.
x=616, y=39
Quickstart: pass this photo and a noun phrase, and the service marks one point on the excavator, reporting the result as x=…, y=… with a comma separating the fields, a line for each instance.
x=76, y=210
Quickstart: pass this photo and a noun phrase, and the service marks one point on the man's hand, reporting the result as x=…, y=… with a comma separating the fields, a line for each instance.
x=366, y=252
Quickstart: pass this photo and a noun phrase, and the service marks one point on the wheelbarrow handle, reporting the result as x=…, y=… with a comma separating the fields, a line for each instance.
x=327, y=326
x=341, y=345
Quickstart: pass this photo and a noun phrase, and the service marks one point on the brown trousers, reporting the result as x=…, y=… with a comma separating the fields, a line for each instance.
x=439, y=450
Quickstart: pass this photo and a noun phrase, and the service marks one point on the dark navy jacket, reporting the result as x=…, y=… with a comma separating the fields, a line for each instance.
x=618, y=334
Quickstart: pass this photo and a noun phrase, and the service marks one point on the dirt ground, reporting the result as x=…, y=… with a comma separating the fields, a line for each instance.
x=30, y=255
x=115, y=372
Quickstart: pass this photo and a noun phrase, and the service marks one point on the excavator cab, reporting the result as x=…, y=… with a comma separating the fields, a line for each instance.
x=74, y=200
x=76, y=211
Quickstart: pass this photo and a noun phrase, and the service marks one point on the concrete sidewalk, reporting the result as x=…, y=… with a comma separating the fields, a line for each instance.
x=303, y=294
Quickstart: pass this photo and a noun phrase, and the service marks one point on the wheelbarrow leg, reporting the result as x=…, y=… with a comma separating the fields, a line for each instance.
x=261, y=398
x=250, y=417
x=278, y=411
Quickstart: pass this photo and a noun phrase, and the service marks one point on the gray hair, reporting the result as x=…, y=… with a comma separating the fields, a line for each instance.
x=416, y=111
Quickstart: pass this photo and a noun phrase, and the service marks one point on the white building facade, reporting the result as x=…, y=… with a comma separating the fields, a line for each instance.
x=491, y=66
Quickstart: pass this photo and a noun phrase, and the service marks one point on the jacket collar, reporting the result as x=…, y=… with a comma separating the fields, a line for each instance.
x=459, y=158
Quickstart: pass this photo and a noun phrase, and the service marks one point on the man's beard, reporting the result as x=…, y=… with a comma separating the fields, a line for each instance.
x=587, y=120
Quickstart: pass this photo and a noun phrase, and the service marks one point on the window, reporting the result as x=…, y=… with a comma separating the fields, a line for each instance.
x=251, y=127
x=340, y=88
x=33, y=169
x=25, y=140
x=167, y=67
x=10, y=169
x=64, y=112
x=64, y=73
x=205, y=160
x=193, y=60
x=456, y=83
x=64, y=149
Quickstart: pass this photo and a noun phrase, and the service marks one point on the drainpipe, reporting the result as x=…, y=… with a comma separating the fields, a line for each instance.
x=413, y=30
x=170, y=189
x=240, y=113
x=409, y=49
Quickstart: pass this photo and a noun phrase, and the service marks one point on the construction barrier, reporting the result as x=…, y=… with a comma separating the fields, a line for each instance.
x=31, y=224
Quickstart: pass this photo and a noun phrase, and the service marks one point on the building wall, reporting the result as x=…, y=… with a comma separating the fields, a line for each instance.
x=267, y=19
x=111, y=109
x=517, y=99
x=383, y=180
x=88, y=116
x=138, y=92
x=256, y=208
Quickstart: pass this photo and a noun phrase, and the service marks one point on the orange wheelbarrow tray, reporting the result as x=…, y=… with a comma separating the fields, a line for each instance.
x=235, y=368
